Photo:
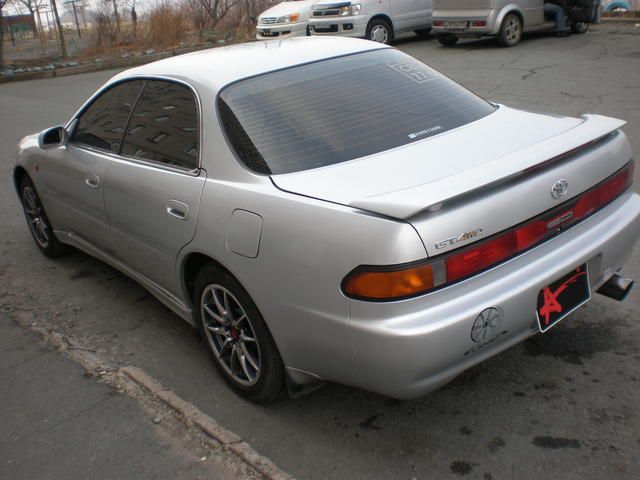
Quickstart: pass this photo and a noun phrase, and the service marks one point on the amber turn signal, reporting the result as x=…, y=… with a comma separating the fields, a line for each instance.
x=371, y=284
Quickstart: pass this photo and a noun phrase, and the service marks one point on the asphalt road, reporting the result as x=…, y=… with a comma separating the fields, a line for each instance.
x=59, y=423
x=562, y=405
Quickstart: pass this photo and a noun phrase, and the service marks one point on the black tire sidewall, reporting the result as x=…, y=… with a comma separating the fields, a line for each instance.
x=423, y=32
x=579, y=28
x=447, y=40
x=271, y=380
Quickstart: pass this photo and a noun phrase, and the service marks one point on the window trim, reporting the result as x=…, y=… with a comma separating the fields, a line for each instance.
x=162, y=166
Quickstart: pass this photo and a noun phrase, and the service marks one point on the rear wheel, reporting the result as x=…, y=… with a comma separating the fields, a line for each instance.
x=379, y=31
x=579, y=28
x=510, y=31
x=447, y=40
x=38, y=222
x=237, y=337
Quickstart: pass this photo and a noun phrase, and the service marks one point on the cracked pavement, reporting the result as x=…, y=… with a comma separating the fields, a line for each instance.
x=563, y=405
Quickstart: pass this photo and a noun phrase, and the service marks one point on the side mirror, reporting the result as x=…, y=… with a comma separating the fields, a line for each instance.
x=53, y=137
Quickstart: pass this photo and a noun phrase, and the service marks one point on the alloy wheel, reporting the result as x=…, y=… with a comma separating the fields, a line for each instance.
x=231, y=335
x=512, y=30
x=36, y=218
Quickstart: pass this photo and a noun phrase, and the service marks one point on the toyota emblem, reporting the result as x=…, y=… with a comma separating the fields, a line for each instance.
x=559, y=189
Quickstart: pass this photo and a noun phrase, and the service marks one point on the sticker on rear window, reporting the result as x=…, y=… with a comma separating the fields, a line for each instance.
x=424, y=132
x=413, y=71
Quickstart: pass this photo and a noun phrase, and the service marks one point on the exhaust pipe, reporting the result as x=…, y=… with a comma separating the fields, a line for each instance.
x=616, y=287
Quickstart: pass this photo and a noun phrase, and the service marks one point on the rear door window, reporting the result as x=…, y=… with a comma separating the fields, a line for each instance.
x=164, y=126
x=336, y=110
x=101, y=125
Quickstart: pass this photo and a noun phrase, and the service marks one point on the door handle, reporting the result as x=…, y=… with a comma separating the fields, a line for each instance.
x=92, y=180
x=178, y=209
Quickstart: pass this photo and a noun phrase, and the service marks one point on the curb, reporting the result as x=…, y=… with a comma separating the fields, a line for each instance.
x=189, y=413
x=192, y=415
x=630, y=20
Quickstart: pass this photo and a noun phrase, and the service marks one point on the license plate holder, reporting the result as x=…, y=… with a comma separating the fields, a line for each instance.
x=456, y=25
x=562, y=297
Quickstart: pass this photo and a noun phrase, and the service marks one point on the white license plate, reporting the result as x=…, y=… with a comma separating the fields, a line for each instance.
x=322, y=26
x=457, y=25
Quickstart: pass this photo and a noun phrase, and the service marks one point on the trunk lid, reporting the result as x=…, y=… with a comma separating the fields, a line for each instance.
x=470, y=168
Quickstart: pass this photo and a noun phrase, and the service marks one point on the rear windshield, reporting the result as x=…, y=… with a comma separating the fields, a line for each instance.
x=340, y=109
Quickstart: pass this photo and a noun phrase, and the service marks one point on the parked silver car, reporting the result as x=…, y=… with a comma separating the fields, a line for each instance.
x=386, y=234
x=505, y=19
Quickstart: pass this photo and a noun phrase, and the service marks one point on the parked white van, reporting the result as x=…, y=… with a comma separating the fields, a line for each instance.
x=284, y=20
x=377, y=20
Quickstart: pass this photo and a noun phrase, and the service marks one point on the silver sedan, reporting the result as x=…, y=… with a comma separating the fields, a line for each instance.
x=328, y=209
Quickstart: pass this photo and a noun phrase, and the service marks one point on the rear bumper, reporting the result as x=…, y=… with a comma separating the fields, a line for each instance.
x=355, y=26
x=466, y=18
x=280, y=32
x=406, y=349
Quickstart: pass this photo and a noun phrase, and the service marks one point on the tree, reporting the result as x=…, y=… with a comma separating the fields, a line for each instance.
x=3, y=3
x=115, y=13
x=63, y=46
x=209, y=12
x=134, y=17
x=30, y=5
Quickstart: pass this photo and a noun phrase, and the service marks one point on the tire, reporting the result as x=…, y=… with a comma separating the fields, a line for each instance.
x=379, y=31
x=423, y=32
x=510, y=31
x=38, y=222
x=447, y=40
x=236, y=336
x=579, y=28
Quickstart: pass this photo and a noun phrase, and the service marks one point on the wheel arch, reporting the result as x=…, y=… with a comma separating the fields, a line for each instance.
x=511, y=8
x=386, y=18
x=190, y=266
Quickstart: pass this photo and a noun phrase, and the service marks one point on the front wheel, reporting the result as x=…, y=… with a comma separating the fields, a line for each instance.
x=38, y=222
x=379, y=31
x=579, y=28
x=447, y=40
x=237, y=337
x=510, y=31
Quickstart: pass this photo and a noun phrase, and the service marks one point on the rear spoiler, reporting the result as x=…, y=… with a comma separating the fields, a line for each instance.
x=409, y=202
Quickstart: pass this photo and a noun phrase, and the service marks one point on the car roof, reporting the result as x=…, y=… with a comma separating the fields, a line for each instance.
x=218, y=67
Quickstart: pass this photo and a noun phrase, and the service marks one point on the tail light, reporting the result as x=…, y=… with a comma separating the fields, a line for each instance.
x=408, y=280
x=478, y=23
x=438, y=23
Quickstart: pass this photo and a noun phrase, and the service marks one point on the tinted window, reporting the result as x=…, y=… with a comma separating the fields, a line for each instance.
x=164, y=126
x=102, y=124
x=340, y=109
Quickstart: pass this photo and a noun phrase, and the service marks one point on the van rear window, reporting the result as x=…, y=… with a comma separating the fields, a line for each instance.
x=336, y=110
